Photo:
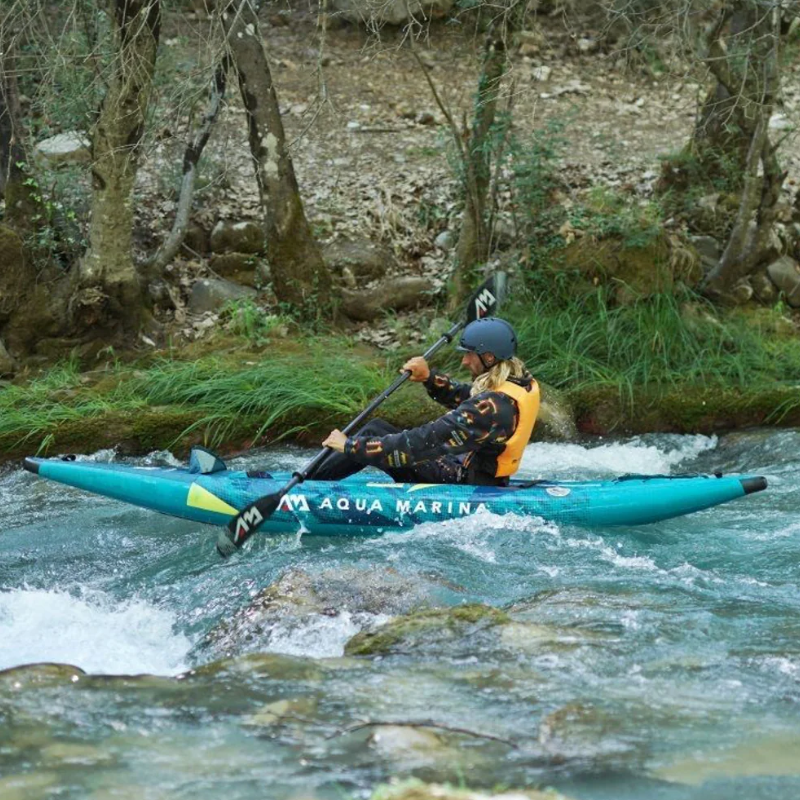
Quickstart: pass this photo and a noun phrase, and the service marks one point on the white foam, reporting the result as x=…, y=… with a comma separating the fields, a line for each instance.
x=550, y=460
x=93, y=632
x=320, y=636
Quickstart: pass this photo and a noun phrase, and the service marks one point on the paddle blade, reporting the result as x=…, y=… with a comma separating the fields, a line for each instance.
x=487, y=299
x=246, y=523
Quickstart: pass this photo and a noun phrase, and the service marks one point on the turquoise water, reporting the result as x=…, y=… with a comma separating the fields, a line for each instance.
x=661, y=661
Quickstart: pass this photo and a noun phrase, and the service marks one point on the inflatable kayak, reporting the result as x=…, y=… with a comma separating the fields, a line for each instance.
x=372, y=503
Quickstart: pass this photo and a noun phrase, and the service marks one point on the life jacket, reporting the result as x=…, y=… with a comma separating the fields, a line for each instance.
x=527, y=400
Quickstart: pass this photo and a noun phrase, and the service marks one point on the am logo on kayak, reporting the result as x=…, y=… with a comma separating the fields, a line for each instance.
x=299, y=502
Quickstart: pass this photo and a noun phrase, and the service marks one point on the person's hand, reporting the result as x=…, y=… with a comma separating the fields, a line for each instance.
x=335, y=441
x=419, y=369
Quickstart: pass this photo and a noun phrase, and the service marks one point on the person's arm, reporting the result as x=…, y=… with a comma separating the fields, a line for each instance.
x=487, y=417
x=444, y=390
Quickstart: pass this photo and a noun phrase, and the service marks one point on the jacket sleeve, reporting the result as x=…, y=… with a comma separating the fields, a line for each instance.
x=488, y=417
x=444, y=390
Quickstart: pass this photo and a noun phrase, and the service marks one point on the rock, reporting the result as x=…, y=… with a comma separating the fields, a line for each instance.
x=445, y=240
x=785, y=274
x=210, y=294
x=394, y=295
x=421, y=629
x=416, y=790
x=237, y=267
x=635, y=272
x=780, y=122
x=365, y=260
x=160, y=294
x=556, y=420
x=408, y=744
x=195, y=240
x=72, y=147
x=7, y=365
x=298, y=597
x=763, y=288
x=586, y=45
x=374, y=13
x=541, y=74
x=709, y=250
x=742, y=292
x=237, y=237
x=282, y=711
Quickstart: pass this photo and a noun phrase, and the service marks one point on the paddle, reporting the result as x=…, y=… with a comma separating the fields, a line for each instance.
x=484, y=303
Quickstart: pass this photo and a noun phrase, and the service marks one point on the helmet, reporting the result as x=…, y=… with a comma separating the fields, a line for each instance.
x=489, y=335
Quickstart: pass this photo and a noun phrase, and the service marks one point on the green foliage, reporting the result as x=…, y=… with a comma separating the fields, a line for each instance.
x=604, y=213
x=250, y=321
x=56, y=230
x=663, y=342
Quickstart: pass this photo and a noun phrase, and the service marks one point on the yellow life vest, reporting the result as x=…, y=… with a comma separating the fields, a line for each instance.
x=527, y=399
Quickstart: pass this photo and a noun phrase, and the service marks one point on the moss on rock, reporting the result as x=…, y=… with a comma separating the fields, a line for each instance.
x=414, y=629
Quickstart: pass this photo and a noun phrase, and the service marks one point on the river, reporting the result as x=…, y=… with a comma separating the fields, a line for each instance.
x=660, y=661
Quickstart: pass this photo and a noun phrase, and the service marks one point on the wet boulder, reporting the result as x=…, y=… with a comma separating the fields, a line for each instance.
x=417, y=790
x=330, y=604
x=420, y=631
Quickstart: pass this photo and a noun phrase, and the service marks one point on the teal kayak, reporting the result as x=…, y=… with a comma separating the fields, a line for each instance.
x=369, y=504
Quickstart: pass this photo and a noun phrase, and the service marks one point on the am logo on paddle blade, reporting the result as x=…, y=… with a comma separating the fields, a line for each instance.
x=483, y=302
x=249, y=519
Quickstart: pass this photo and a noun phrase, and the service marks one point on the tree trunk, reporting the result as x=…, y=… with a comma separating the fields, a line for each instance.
x=21, y=205
x=473, y=240
x=108, y=288
x=720, y=140
x=755, y=86
x=479, y=151
x=191, y=157
x=298, y=272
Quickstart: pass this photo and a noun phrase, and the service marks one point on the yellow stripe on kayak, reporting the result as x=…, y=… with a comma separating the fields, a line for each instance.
x=202, y=498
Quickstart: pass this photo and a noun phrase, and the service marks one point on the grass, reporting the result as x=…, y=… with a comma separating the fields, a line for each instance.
x=241, y=389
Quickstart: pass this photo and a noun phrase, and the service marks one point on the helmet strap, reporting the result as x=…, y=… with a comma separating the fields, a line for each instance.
x=486, y=367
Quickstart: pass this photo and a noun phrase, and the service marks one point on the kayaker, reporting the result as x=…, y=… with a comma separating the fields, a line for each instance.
x=479, y=442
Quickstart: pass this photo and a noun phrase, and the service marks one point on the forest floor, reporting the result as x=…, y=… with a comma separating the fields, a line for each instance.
x=372, y=157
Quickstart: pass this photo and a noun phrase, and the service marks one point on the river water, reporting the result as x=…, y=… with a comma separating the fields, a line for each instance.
x=658, y=662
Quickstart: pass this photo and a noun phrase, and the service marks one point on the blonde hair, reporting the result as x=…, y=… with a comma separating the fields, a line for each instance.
x=498, y=374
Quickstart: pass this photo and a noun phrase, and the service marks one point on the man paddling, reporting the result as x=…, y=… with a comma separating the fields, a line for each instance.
x=479, y=442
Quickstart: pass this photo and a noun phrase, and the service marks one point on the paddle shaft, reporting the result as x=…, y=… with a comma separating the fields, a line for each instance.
x=483, y=303
x=301, y=475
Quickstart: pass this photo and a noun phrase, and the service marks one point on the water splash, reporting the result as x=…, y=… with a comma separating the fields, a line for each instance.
x=93, y=632
x=639, y=455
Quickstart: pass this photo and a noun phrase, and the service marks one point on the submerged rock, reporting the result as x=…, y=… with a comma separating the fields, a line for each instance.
x=420, y=630
x=341, y=599
x=44, y=674
x=416, y=790
x=768, y=756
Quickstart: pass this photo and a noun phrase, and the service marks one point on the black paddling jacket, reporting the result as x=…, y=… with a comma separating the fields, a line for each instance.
x=475, y=432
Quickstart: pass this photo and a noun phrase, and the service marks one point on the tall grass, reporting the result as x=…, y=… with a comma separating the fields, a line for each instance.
x=662, y=342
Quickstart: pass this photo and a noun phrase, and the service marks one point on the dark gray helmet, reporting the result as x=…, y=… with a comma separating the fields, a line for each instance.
x=489, y=335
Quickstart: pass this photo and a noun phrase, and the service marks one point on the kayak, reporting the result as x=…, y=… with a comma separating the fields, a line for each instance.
x=372, y=503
